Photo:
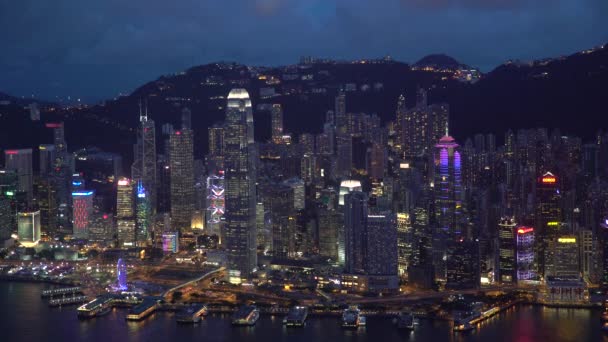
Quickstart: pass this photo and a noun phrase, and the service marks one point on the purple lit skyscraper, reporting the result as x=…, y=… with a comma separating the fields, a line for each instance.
x=447, y=188
x=121, y=272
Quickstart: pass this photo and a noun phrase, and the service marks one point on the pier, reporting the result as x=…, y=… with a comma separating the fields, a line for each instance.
x=61, y=291
x=68, y=301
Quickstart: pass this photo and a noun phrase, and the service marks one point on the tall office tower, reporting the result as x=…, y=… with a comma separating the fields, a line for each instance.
x=525, y=254
x=215, y=204
x=344, y=141
x=28, y=227
x=278, y=200
x=47, y=203
x=47, y=159
x=101, y=227
x=61, y=173
x=355, y=224
x=125, y=213
x=308, y=168
x=277, y=123
x=326, y=142
x=82, y=207
x=506, y=247
x=16, y=200
x=415, y=132
x=589, y=255
x=562, y=257
x=405, y=246
x=330, y=225
x=34, y=111
x=144, y=164
x=182, y=179
x=447, y=188
x=399, y=117
x=548, y=210
x=143, y=215
x=239, y=179
x=20, y=161
x=381, y=245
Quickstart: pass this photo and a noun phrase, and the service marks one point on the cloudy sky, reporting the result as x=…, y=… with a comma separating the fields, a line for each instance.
x=95, y=49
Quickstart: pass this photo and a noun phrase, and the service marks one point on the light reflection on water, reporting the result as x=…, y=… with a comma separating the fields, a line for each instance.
x=30, y=319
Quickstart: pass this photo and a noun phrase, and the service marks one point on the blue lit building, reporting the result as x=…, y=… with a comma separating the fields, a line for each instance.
x=121, y=275
x=143, y=210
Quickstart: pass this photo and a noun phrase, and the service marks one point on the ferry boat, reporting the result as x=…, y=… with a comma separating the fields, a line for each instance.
x=405, y=320
x=352, y=318
x=296, y=317
x=191, y=314
x=246, y=315
x=98, y=307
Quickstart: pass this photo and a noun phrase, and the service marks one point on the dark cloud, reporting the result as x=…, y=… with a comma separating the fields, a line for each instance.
x=95, y=49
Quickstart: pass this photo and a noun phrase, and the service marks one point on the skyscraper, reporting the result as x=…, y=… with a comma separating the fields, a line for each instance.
x=82, y=206
x=182, y=179
x=355, y=231
x=60, y=178
x=277, y=123
x=240, y=197
x=144, y=164
x=404, y=242
x=125, y=213
x=506, y=255
x=447, y=187
x=143, y=215
x=20, y=161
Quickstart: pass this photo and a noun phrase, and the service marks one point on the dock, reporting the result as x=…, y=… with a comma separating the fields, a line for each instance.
x=60, y=291
x=68, y=301
x=147, y=307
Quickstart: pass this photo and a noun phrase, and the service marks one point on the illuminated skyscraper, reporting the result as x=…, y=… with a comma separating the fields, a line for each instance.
x=121, y=275
x=404, y=242
x=277, y=123
x=548, y=209
x=144, y=164
x=182, y=179
x=447, y=187
x=60, y=177
x=240, y=195
x=399, y=117
x=82, y=206
x=525, y=254
x=125, y=215
x=20, y=161
x=344, y=141
x=506, y=255
x=47, y=159
x=28, y=231
x=143, y=215
x=215, y=204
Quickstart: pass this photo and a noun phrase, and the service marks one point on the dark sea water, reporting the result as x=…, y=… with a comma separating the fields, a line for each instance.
x=25, y=317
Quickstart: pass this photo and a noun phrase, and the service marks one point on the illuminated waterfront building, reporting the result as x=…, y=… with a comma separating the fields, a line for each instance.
x=28, y=227
x=525, y=254
x=82, y=206
x=506, y=254
x=240, y=176
x=121, y=275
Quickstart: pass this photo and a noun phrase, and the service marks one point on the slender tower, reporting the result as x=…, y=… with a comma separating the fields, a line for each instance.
x=144, y=165
x=239, y=150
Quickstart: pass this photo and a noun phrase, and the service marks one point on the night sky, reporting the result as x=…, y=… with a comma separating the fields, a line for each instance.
x=95, y=49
